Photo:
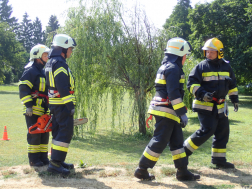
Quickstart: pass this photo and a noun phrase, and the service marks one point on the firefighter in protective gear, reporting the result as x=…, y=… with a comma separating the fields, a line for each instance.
x=60, y=82
x=210, y=81
x=169, y=111
x=33, y=94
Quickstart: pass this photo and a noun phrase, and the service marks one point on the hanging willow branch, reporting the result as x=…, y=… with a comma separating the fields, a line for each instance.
x=116, y=54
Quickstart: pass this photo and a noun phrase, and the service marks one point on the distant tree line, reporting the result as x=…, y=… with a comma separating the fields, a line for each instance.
x=17, y=39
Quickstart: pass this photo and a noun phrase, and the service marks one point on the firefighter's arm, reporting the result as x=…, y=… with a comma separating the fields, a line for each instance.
x=173, y=89
x=62, y=84
x=194, y=83
x=25, y=87
x=233, y=91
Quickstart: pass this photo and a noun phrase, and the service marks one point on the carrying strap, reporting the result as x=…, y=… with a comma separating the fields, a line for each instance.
x=36, y=94
x=218, y=100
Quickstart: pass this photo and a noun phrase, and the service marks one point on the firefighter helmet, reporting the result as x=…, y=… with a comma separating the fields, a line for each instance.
x=64, y=41
x=178, y=46
x=37, y=51
x=214, y=44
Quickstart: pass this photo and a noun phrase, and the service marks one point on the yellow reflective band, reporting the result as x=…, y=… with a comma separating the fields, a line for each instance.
x=210, y=104
x=160, y=81
x=59, y=148
x=61, y=69
x=182, y=81
x=67, y=99
x=233, y=90
x=38, y=108
x=224, y=73
x=179, y=156
x=26, y=82
x=164, y=114
x=37, y=113
x=220, y=106
x=42, y=84
x=56, y=101
x=148, y=156
x=39, y=102
x=178, y=106
x=33, y=148
x=51, y=79
x=27, y=98
x=192, y=144
x=207, y=74
x=216, y=150
x=192, y=86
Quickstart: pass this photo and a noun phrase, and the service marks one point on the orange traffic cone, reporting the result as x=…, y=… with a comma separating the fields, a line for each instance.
x=5, y=135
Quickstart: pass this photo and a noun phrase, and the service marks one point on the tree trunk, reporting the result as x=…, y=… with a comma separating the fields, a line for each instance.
x=141, y=108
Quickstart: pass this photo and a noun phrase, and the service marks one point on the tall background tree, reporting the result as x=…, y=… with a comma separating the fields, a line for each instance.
x=38, y=34
x=25, y=33
x=11, y=51
x=12, y=54
x=5, y=14
x=178, y=21
x=51, y=29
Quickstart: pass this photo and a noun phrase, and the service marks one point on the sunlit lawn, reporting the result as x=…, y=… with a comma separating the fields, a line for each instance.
x=117, y=145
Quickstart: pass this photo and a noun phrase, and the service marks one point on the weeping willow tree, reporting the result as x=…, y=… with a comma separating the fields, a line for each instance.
x=117, y=52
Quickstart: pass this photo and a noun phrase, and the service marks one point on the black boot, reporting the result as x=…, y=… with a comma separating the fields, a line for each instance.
x=67, y=165
x=44, y=158
x=184, y=175
x=143, y=174
x=225, y=165
x=36, y=164
x=34, y=160
x=56, y=167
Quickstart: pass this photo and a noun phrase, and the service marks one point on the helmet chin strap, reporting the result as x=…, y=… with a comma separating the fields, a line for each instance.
x=44, y=63
x=65, y=52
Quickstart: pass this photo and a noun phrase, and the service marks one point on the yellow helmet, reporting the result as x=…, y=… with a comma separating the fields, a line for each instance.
x=214, y=44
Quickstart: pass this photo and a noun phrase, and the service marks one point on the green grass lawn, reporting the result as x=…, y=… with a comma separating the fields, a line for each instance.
x=116, y=146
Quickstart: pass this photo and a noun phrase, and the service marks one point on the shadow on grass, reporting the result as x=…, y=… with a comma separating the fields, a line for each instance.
x=233, y=175
x=9, y=92
x=106, y=141
x=154, y=183
x=74, y=179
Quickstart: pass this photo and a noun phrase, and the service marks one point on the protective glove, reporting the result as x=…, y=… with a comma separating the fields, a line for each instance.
x=29, y=111
x=72, y=112
x=184, y=120
x=228, y=79
x=236, y=106
x=208, y=97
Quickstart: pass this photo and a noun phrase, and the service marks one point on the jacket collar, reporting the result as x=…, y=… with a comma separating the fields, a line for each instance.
x=173, y=59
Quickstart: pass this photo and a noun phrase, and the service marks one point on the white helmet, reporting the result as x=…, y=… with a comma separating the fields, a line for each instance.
x=64, y=41
x=178, y=46
x=37, y=51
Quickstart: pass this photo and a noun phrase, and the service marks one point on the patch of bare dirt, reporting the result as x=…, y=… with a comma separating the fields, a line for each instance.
x=122, y=178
